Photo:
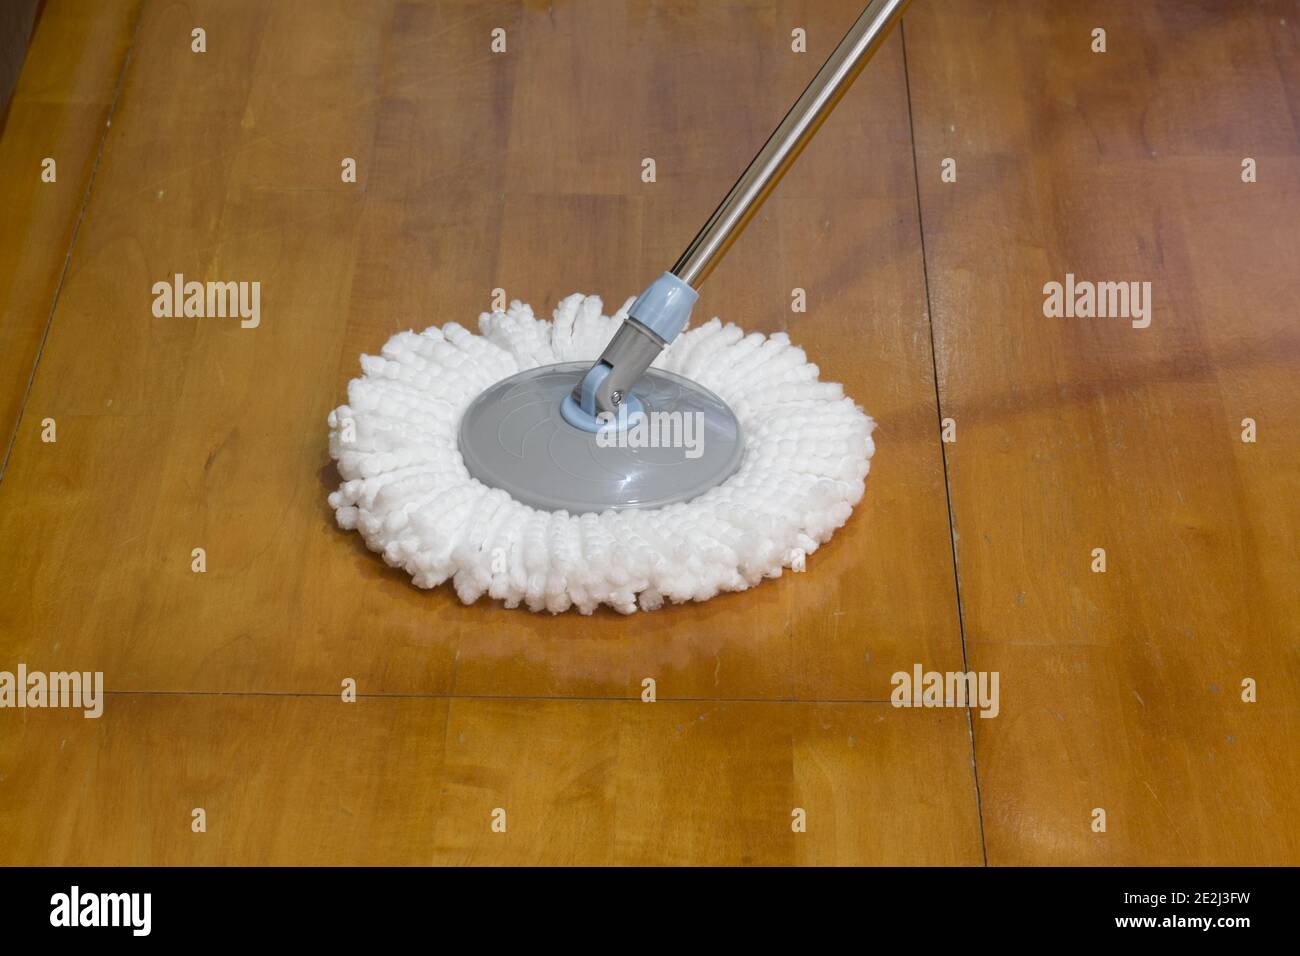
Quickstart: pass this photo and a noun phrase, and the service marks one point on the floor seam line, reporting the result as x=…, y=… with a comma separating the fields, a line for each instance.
x=413, y=695
x=72, y=241
x=943, y=453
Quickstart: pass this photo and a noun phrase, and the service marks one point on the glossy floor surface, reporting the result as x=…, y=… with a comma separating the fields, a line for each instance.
x=1147, y=713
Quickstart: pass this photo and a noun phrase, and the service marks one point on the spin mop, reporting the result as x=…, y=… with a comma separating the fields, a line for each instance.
x=675, y=467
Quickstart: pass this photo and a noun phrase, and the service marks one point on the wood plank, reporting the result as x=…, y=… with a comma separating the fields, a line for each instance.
x=475, y=171
x=312, y=781
x=58, y=111
x=1122, y=690
x=183, y=433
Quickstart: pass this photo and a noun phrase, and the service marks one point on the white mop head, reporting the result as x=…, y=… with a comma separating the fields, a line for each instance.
x=406, y=489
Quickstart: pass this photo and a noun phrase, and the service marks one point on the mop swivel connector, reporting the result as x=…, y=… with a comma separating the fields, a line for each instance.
x=594, y=405
x=656, y=318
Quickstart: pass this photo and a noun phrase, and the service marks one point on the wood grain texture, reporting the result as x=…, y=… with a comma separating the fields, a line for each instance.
x=301, y=780
x=1119, y=691
x=519, y=171
x=194, y=433
x=1122, y=690
x=58, y=111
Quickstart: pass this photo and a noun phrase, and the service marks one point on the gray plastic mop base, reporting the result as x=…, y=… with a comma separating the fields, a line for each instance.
x=513, y=437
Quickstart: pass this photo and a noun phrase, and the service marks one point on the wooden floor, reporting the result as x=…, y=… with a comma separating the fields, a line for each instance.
x=1120, y=691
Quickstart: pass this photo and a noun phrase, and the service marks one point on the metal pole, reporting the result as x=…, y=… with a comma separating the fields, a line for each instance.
x=787, y=142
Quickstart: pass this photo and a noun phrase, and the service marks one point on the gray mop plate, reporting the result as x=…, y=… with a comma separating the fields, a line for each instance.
x=513, y=437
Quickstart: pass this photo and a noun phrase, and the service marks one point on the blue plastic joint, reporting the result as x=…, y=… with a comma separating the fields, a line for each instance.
x=656, y=318
x=578, y=416
x=665, y=307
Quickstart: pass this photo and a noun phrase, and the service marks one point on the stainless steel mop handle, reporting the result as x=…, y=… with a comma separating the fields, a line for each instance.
x=787, y=142
x=661, y=312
